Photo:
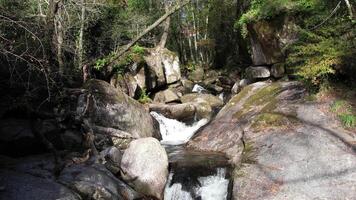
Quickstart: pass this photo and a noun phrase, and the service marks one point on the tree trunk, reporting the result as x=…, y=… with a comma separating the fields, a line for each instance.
x=164, y=37
x=349, y=7
x=147, y=30
x=81, y=35
x=50, y=31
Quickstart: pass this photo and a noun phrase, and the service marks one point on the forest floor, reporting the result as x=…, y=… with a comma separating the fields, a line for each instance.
x=315, y=159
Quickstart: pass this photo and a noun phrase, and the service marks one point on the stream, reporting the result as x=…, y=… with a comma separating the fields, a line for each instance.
x=192, y=175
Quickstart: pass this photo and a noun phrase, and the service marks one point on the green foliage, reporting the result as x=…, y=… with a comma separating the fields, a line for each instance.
x=348, y=120
x=134, y=55
x=190, y=66
x=138, y=50
x=267, y=9
x=338, y=105
x=345, y=113
x=144, y=98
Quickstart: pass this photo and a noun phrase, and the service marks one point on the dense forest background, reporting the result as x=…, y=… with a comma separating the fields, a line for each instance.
x=47, y=45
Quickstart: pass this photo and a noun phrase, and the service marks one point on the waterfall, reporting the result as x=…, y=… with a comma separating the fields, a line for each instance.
x=175, y=132
x=214, y=187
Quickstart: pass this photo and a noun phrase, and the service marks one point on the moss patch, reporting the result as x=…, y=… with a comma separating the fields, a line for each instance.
x=265, y=97
x=266, y=121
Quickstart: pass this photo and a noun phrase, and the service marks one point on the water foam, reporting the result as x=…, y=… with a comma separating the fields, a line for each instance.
x=175, y=132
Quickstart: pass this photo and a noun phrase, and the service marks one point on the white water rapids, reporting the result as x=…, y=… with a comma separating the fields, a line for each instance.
x=190, y=183
x=211, y=188
x=175, y=132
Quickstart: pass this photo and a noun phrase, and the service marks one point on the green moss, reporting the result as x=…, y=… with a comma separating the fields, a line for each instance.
x=273, y=120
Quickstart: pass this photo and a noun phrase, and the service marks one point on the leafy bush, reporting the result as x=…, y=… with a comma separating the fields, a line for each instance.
x=144, y=98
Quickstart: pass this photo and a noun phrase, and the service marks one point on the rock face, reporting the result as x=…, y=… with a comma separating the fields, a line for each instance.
x=20, y=186
x=145, y=166
x=292, y=144
x=110, y=107
x=224, y=133
x=269, y=38
x=257, y=72
x=127, y=83
x=163, y=67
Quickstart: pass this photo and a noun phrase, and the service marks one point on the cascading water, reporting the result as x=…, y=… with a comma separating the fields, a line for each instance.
x=175, y=132
x=193, y=175
x=214, y=187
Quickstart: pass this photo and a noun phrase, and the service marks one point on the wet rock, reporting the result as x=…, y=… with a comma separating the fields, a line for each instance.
x=278, y=70
x=20, y=186
x=181, y=112
x=95, y=182
x=258, y=72
x=145, y=166
x=111, y=108
x=166, y=96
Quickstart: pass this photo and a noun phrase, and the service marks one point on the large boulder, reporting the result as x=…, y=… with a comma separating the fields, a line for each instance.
x=166, y=96
x=96, y=182
x=162, y=67
x=127, y=83
x=268, y=38
x=110, y=107
x=258, y=72
x=21, y=186
x=181, y=112
x=256, y=101
x=212, y=100
x=145, y=166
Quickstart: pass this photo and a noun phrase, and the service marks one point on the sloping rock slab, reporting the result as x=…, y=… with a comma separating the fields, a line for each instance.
x=224, y=134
